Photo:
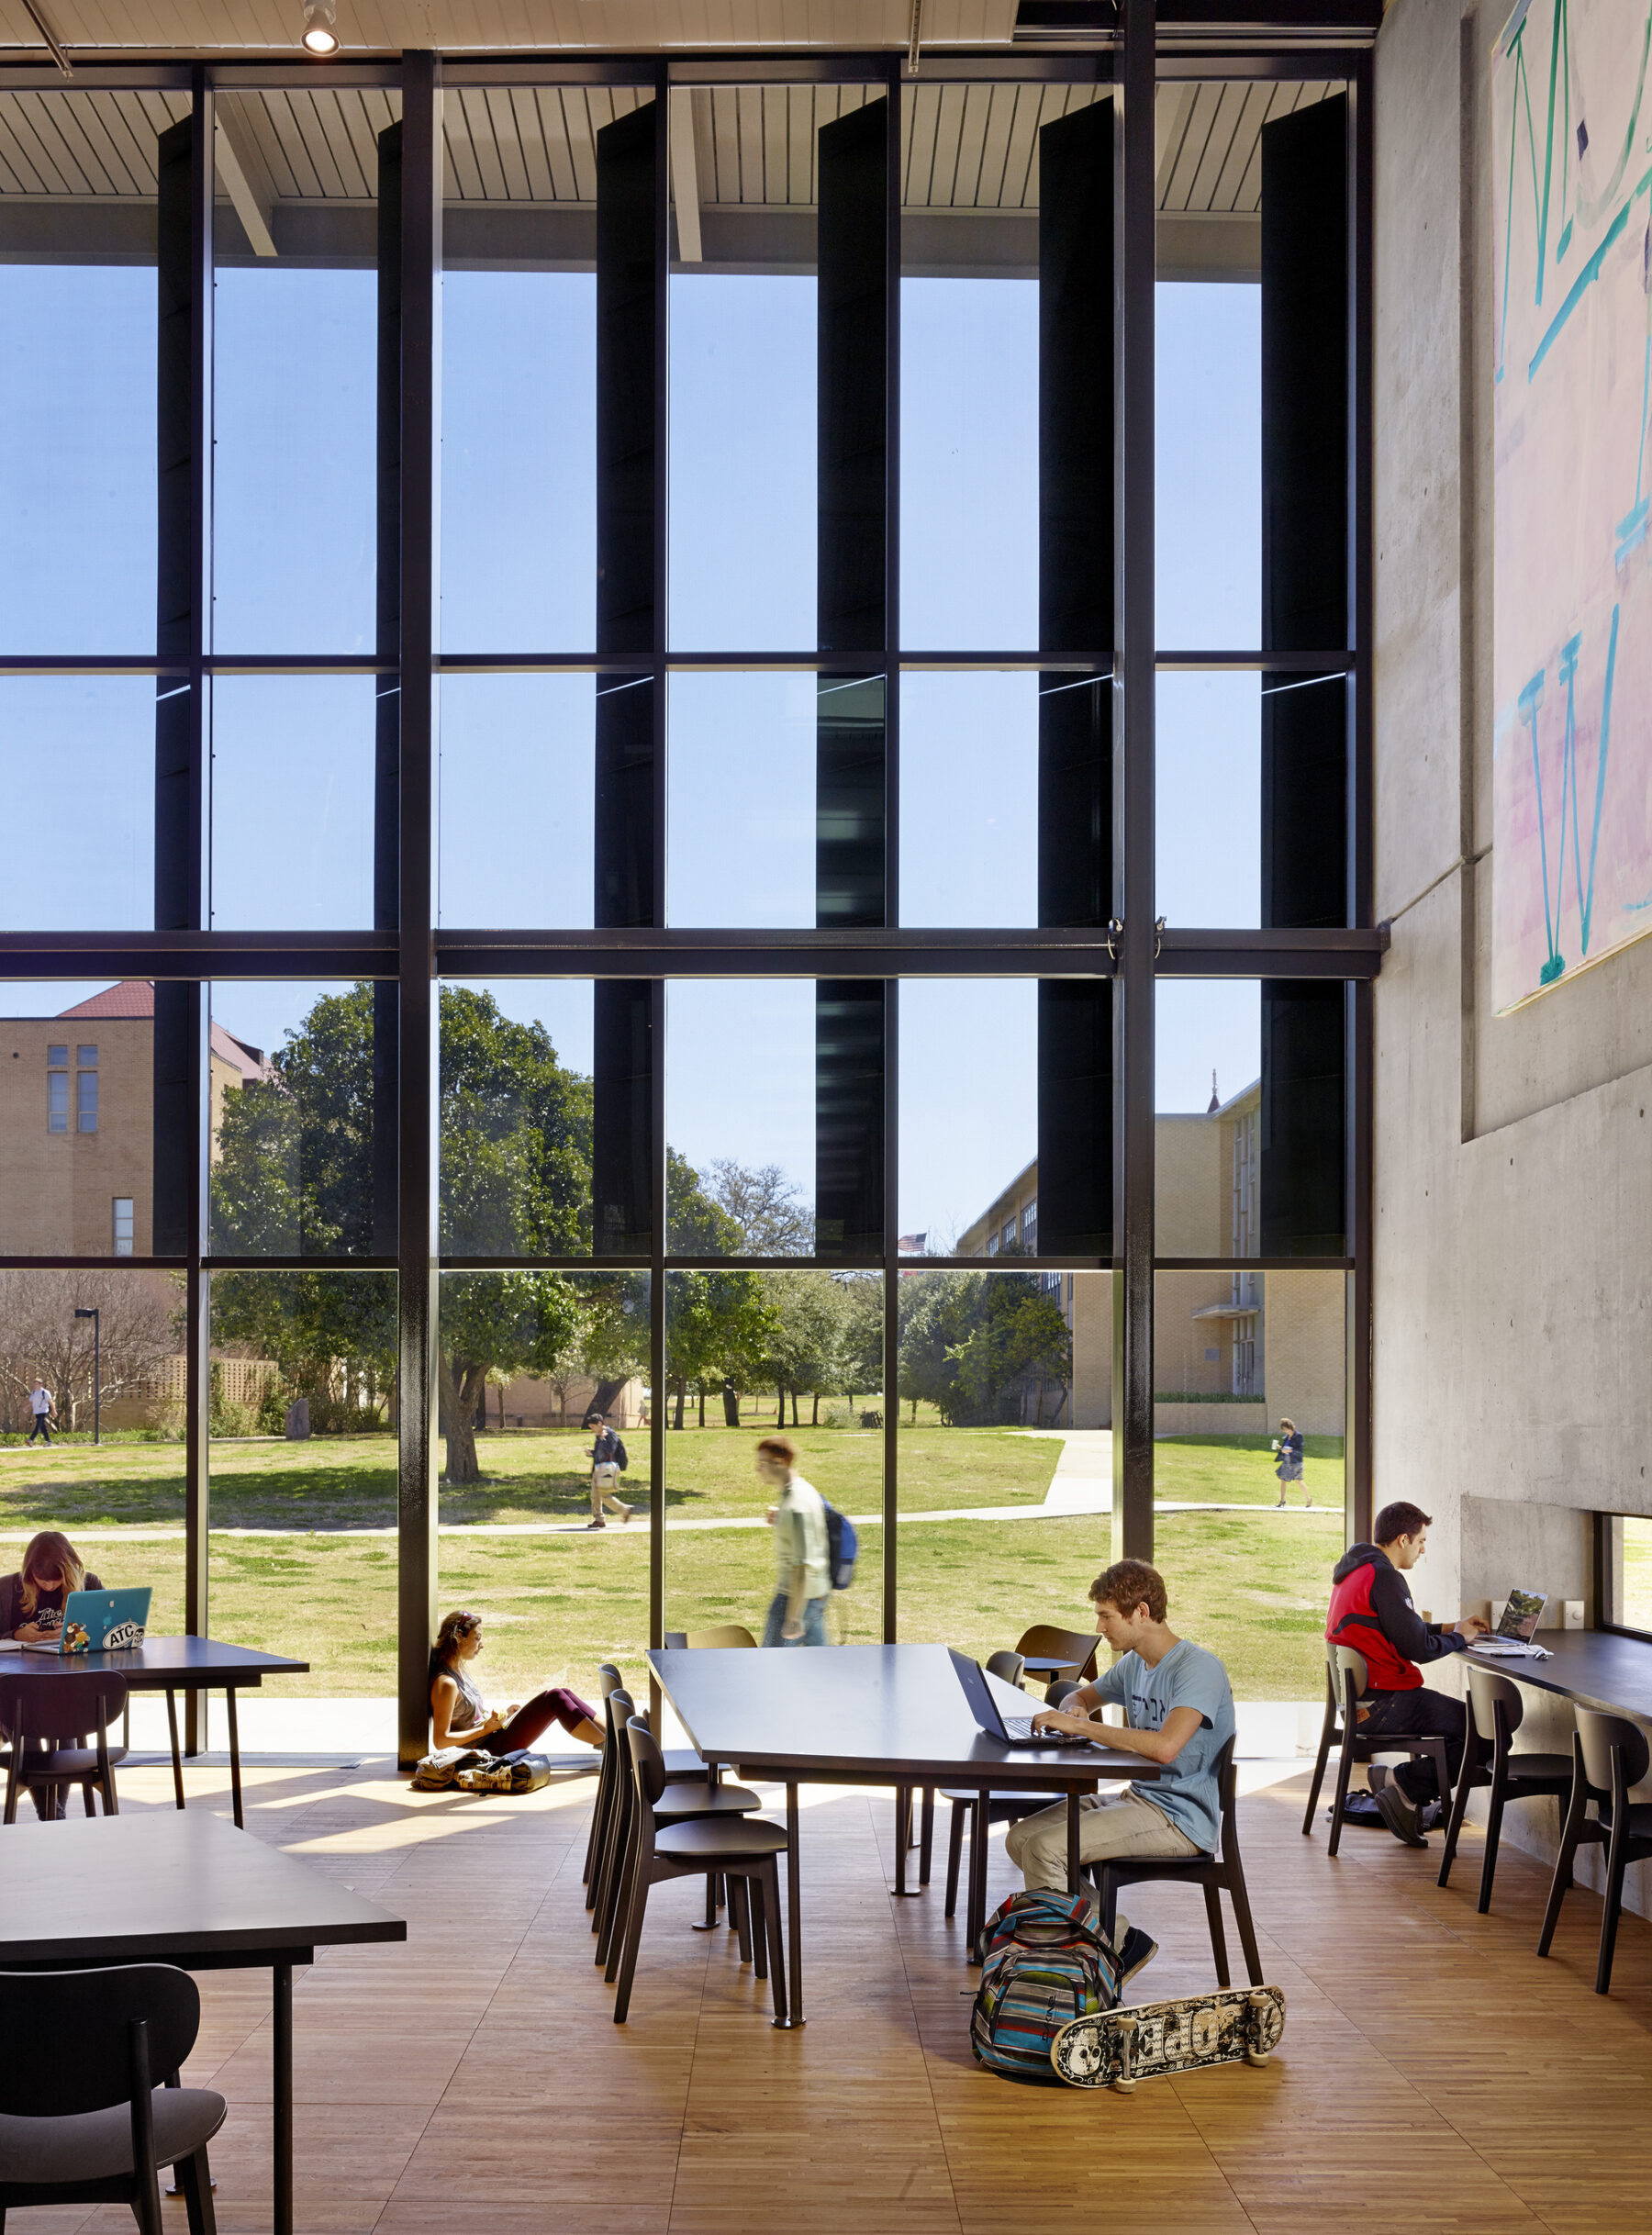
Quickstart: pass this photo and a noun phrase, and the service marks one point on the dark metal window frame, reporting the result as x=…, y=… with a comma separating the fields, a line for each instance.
x=420, y=952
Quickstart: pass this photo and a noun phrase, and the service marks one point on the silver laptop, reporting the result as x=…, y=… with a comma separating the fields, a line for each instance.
x=1521, y=1613
x=1010, y=1730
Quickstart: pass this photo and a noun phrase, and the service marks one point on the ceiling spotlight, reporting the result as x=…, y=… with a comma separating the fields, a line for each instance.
x=321, y=32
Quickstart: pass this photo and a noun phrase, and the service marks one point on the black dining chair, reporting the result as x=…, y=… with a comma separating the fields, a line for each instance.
x=1008, y=1668
x=1347, y=1678
x=741, y=1849
x=683, y=1766
x=609, y=1678
x=43, y=1712
x=1496, y=1707
x=1058, y=1655
x=973, y=1813
x=1220, y=1873
x=81, y=2119
x=1609, y=1755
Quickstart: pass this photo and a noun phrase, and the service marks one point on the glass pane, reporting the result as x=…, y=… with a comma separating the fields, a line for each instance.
x=740, y=1114
x=1207, y=457
x=969, y=800
x=790, y=1353
x=1635, y=1596
x=96, y=737
x=1250, y=1373
x=292, y=1121
x=295, y=378
x=77, y=368
x=302, y=1415
x=518, y=800
x=517, y=1091
x=1209, y=859
x=80, y=1140
x=292, y=802
x=741, y=813
x=525, y=1358
x=969, y=1102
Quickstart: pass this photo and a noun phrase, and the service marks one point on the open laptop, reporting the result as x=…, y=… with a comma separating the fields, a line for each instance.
x=1010, y=1730
x=1517, y=1631
x=98, y=1621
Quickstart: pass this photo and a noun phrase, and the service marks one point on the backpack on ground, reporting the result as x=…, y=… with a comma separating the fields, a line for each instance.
x=842, y=1548
x=436, y=1772
x=522, y=1772
x=621, y=1459
x=1048, y=1962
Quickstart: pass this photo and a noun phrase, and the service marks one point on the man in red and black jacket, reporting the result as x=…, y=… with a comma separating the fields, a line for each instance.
x=1371, y=1610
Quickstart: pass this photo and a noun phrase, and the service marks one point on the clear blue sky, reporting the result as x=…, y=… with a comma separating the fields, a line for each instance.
x=293, y=766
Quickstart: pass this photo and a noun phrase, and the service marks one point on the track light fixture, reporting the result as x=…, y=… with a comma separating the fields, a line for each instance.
x=320, y=26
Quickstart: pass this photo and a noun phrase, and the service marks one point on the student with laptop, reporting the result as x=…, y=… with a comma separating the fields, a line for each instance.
x=31, y=1611
x=1371, y=1610
x=1179, y=1712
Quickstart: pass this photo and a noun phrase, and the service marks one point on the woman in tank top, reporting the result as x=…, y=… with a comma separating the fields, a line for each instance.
x=460, y=1716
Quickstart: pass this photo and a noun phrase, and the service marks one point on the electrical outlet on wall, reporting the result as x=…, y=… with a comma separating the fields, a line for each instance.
x=1573, y=1611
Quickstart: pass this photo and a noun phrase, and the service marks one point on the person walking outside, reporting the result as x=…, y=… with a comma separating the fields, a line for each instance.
x=796, y=1614
x=1289, y=1445
x=39, y=1402
x=606, y=1456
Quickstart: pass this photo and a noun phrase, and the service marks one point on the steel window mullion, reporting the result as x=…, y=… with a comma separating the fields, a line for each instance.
x=658, y=1209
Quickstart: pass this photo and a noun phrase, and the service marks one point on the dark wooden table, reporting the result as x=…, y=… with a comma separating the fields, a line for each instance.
x=172, y=1665
x=865, y=1714
x=1594, y=1668
x=161, y=1888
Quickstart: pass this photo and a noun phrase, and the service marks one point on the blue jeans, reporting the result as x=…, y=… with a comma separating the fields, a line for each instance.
x=814, y=1621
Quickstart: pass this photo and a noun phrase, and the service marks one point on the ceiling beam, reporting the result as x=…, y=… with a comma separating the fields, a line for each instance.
x=243, y=176
x=685, y=175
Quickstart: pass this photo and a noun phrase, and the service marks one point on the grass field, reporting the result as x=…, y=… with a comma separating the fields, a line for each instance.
x=1251, y=1588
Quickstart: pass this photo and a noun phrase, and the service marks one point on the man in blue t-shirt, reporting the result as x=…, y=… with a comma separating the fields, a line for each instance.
x=1179, y=1712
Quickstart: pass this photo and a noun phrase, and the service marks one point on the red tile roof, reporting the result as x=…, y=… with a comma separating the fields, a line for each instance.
x=133, y=996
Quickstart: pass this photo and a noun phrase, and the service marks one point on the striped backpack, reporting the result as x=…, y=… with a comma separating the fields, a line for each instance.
x=1048, y=1962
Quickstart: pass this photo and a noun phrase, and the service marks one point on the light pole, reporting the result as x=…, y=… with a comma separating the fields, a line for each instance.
x=90, y=1312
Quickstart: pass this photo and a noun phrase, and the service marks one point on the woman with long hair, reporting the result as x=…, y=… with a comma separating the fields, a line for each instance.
x=460, y=1716
x=31, y=1609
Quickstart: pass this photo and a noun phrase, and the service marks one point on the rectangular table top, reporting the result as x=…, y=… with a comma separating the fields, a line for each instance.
x=1596, y=1667
x=160, y=1886
x=182, y=1663
x=881, y=1714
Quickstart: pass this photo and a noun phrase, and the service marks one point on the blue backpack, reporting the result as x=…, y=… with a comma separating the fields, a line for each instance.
x=1048, y=1962
x=842, y=1548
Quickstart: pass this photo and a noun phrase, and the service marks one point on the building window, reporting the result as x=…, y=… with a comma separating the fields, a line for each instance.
x=1244, y=1356
x=86, y=1089
x=1029, y=1222
x=1625, y=1571
x=57, y=1090
x=123, y=1226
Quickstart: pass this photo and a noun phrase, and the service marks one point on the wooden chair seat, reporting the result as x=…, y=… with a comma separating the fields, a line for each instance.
x=712, y=1842
x=1215, y=1873
x=681, y=1802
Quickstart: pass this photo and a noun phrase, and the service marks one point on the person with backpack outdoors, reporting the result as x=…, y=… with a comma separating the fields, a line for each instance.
x=1287, y=1450
x=796, y=1614
x=1371, y=1610
x=606, y=1456
x=40, y=1406
x=1179, y=1712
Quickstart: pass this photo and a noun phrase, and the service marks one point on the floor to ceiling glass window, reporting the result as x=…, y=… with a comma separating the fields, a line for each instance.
x=749, y=927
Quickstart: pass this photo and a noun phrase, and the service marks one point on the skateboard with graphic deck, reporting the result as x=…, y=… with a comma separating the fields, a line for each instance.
x=1119, y=2047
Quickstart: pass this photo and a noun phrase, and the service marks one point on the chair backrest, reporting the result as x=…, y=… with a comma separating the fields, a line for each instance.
x=1346, y=1660
x=1077, y=1648
x=1061, y=1691
x=1007, y=1665
x=609, y=1678
x=725, y=1633
x=674, y=1641
x=77, y=2026
x=1596, y=1735
x=1227, y=1797
x=60, y=1706
x=647, y=1767
x=1487, y=1692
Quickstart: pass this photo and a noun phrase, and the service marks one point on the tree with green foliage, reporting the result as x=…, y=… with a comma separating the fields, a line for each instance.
x=972, y=1345
x=719, y=1325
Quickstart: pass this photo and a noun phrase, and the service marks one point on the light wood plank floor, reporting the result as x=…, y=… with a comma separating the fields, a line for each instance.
x=1434, y=2074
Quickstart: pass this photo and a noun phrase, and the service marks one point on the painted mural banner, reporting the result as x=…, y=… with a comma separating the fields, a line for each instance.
x=1571, y=139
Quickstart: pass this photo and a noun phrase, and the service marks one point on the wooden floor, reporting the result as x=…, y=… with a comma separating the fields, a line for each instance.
x=1434, y=2074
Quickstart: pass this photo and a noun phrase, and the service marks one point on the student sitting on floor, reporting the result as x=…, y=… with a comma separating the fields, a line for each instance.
x=460, y=1716
x=1179, y=1712
x=1371, y=1610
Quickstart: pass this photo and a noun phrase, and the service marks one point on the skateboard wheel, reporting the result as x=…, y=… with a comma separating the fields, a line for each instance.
x=1124, y=2087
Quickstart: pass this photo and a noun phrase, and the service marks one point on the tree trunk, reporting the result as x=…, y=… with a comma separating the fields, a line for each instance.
x=780, y=1412
x=603, y=1396
x=702, y=1405
x=682, y=1389
x=457, y=1396
x=730, y=1397
x=794, y=1396
x=814, y=1419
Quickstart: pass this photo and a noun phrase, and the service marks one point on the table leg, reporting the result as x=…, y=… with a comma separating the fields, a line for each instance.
x=903, y=1838
x=235, y=1789
x=1073, y=1822
x=283, y=2097
x=172, y=1725
x=794, y=1917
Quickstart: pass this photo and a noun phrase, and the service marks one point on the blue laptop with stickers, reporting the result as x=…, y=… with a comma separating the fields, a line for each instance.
x=99, y=1622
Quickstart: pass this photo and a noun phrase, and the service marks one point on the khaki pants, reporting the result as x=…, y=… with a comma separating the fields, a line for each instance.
x=605, y=1490
x=1111, y=1824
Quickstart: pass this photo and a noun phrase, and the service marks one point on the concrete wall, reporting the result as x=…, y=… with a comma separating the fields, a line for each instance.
x=1514, y=1211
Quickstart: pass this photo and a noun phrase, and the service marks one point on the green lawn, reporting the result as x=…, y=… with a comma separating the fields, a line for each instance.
x=1239, y=1471
x=1250, y=1587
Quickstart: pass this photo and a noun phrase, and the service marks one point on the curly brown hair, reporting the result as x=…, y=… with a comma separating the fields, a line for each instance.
x=1130, y=1583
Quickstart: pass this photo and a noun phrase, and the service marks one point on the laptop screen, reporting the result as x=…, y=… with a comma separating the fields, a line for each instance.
x=1521, y=1615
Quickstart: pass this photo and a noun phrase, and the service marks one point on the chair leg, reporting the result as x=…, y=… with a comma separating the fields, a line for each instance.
x=625, y=1898
x=1569, y=1835
x=1437, y=1754
x=1494, y=1831
x=954, y=1855
x=926, y=1837
x=741, y=1913
x=776, y=1952
x=1218, y=1938
x=1617, y=1860
x=146, y=2201
x=1240, y=1897
x=628, y=1952
x=1327, y=1732
x=753, y=1894
x=195, y=2178
x=87, y=1802
x=1107, y=1897
x=1459, y=1809
x=599, y=1812
x=1344, y=1764
x=977, y=1875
